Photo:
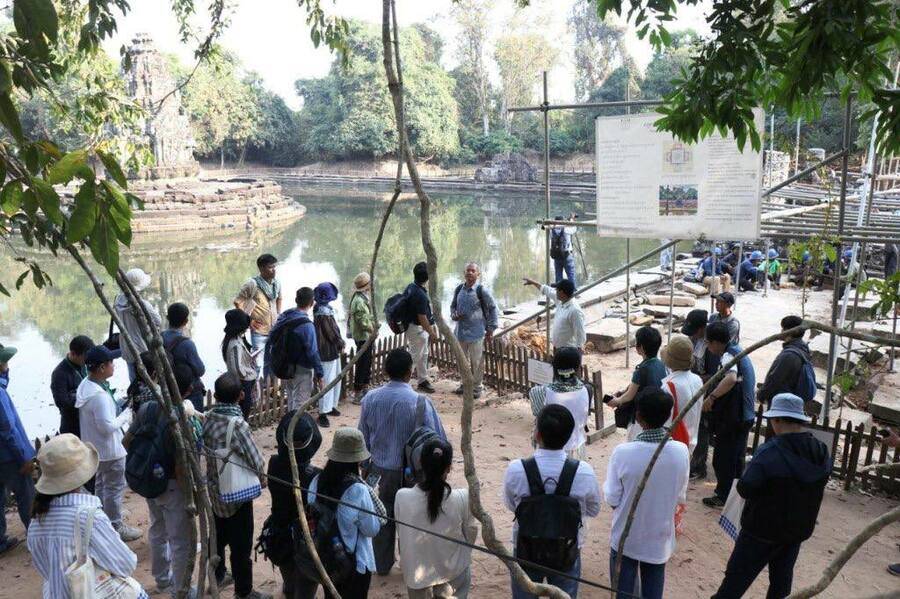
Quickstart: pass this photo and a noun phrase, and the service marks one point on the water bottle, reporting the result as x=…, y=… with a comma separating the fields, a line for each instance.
x=158, y=471
x=339, y=551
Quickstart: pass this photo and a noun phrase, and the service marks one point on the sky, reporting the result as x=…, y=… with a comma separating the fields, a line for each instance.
x=271, y=36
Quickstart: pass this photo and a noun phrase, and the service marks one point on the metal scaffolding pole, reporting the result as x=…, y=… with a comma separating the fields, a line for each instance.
x=671, y=294
x=547, y=198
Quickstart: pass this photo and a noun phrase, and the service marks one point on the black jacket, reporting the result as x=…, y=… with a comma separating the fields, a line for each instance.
x=63, y=384
x=284, y=505
x=785, y=371
x=783, y=486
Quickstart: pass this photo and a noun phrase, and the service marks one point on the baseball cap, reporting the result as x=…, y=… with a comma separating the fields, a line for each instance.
x=6, y=353
x=100, y=354
x=727, y=297
x=694, y=321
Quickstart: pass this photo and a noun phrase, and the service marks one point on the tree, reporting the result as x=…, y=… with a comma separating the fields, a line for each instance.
x=277, y=137
x=669, y=64
x=521, y=58
x=347, y=114
x=599, y=48
x=473, y=19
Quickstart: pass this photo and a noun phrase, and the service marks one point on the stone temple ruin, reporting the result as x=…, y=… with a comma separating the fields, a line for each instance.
x=176, y=196
x=510, y=167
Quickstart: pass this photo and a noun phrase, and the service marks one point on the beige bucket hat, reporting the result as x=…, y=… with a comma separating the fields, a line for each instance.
x=66, y=464
x=678, y=353
x=348, y=446
x=362, y=280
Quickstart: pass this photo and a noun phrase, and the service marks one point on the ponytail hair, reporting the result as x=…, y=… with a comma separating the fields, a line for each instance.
x=437, y=456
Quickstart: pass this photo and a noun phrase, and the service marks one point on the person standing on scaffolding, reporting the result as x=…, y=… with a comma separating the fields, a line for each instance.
x=561, y=250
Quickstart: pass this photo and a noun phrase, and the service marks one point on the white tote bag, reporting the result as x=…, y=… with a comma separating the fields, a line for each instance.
x=85, y=579
x=238, y=483
x=730, y=520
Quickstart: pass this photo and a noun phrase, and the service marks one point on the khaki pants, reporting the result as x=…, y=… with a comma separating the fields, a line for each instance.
x=474, y=351
x=417, y=339
x=718, y=284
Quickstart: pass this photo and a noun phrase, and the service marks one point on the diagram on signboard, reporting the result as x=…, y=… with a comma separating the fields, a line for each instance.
x=678, y=200
x=677, y=158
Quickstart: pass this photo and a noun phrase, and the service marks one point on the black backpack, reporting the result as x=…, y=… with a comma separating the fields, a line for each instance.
x=412, y=451
x=549, y=524
x=148, y=465
x=478, y=292
x=396, y=312
x=276, y=541
x=278, y=347
x=339, y=562
x=558, y=245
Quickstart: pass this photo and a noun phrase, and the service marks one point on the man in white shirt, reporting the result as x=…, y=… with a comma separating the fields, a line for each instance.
x=553, y=429
x=651, y=540
x=567, y=326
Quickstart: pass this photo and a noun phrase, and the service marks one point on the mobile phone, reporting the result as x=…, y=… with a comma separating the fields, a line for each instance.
x=373, y=479
x=608, y=398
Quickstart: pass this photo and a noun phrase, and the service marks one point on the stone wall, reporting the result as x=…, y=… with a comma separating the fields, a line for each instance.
x=778, y=170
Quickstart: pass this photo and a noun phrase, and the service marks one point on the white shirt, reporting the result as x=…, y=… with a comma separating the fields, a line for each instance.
x=550, y=464
x=567, y=326
x=652, y=535
x=577, y=403
x=427, y=560
x=686, y=385
x=99, y=424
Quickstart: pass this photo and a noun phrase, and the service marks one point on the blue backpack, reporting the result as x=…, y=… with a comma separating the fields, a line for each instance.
x=805, y=388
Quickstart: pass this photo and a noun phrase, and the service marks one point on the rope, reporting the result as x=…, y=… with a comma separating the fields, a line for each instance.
x=506, y=558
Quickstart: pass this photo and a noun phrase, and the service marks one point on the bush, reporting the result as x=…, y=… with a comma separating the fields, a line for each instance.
x=497, y=142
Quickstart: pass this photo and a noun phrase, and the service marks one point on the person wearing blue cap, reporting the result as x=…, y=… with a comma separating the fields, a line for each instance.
x=16, y=455
x=783, y=487
x=713, y=271
x=771, y=268
x=750, y=272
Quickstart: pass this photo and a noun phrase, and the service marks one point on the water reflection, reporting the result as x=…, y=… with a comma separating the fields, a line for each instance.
x=332, y=243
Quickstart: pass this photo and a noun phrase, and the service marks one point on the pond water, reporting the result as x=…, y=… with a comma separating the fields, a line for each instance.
x=333, y=242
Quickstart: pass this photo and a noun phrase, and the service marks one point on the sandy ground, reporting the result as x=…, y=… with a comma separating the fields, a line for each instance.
x=502, y=433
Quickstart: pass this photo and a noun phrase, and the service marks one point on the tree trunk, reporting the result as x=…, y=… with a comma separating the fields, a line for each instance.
x=243, y=152
x=222, y=157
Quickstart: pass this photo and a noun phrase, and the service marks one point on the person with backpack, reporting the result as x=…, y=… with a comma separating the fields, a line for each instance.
x=348, y=543
x=101, y=426
x=792, y=371
x=420, y=321
x=394, y=416
x=282, y=525
x=140, y=281
x=236, y=352
x=561, y=250
x=569, y=391
x=651, y=540
x=567, y=325
x=360, y=327
x=226, y=431
x=783, y=488
x=293, y=349
x=153, y=472
x=62, y=504
x=731, y=408
x=331, y=346
x=139, y=391
x=552, y=497
x=64, y=382
x=475, y=313
x=260, y=298
x=434, y=567
x=182, y=350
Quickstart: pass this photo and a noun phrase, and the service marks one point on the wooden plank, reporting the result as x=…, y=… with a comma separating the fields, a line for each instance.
x=870, y=449
x=845, y=454
x=853, y=464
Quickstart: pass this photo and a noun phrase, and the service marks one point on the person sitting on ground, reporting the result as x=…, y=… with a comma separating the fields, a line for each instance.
x=771, y=269
x=16, y=456
x=129, y=318
x=783, y=488
x=389, y=416
x=138, y=391
x=434, y=567
x=340, y=479
x=102, y=428
x=750, y=272
x=238, y=356
x=170, y=522
x=475, y=312
x=302, y=348
x=714, y=272
x=331, y=346
x=568, y=391
x=284, y=521
x=554, y=428
x=650, y=372
x=421, y=328
x=64, y=382
x=785, y=374
x=731, y=412
x=730, y=260
x=567, y=326
x=725, y=313
x=183, y=350
x=651, y=540
x=233, y=520
x=362, y=326
x=60, y=505
x=682, y=384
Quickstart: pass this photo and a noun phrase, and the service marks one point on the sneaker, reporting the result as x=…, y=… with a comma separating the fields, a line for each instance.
x=9, y=543
x=426, y=386
x=458, y=390
x=894, y=569
x=714, y=502
x=255, y=595
x=698, y=476
x=334, y=412
x=226, y=581
x=323, y=421
x=129, y=533
x=476, y=394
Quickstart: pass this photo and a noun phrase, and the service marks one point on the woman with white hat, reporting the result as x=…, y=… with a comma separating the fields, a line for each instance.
x=61, y=504
x=140, y=281
x=340, y=479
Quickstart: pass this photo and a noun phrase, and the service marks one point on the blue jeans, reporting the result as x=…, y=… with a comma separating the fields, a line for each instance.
x=565, y=584
x=258, y=342
x=749, y=557
x=653, y=577
x=22, y=487
x=567, y=264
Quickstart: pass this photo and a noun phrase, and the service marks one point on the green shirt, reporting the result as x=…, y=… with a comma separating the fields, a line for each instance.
x=362, y=324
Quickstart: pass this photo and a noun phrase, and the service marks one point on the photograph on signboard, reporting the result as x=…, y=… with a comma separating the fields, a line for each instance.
x=678, y=200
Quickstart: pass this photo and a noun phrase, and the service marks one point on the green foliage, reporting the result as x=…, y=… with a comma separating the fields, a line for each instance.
x=888, y=291
x=348, y=113
x=497, y=142
x=277, y=136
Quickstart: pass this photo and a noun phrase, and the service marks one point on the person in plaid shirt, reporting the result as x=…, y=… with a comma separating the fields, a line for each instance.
x=234, y=521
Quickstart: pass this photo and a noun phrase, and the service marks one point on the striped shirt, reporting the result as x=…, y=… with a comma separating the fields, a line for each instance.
x=387, y=420
x=51, y=541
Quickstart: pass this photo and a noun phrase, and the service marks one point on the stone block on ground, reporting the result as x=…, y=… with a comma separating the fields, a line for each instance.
x=694, y=288
x=885, y=404
x=678, y=300
x=642, y=319
x=663, y=312
x=608, y=335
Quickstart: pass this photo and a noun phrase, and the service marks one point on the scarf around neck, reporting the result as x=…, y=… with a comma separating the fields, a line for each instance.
x=653, y=435
x=270, y=290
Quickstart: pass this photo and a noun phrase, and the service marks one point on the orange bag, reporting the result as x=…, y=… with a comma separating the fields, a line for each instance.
x=680, y=433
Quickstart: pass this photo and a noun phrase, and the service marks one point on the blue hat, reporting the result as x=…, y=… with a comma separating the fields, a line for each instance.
x=717, y=250
x=773, y=253
x=100, y=354
x=787, y=405
x=847, y=254
x=756, y=255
